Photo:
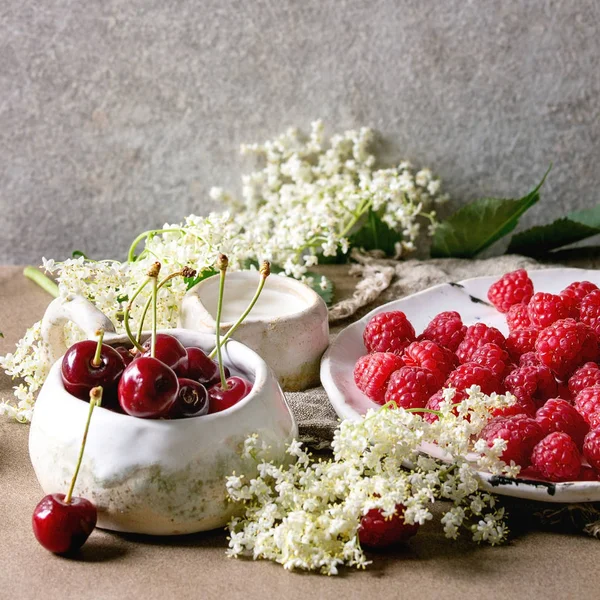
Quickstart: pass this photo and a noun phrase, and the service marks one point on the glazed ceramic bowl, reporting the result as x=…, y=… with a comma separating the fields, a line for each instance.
x=157, y=476
x=288, y=327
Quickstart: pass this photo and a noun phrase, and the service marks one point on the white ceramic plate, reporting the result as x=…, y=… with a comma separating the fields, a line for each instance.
x=464, y=297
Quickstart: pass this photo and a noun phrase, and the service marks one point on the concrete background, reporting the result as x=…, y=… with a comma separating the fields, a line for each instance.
x=119, y=115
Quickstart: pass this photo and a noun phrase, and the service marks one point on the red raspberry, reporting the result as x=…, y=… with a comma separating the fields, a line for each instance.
x=566, y=344
x=521, y=434
x=518, y=317
x=573, y=294
x=388, y=332
x=440, y=361
x=434, y=404
x=528, y=359
x=586, y=376
x=591, y=448
x=475, y=336
x=445, y=329
x=587, y=403
x=411, y=387
x=375, y=531
x=534, y=382
x=525, y=406
x=521, y=341
x=470, y=374
x=372, y=373
x=590, y=310
x=545, y=309
x=559, y=415
x=513, y=288
x=494, y=358
x=556, y=458
x=587, y=474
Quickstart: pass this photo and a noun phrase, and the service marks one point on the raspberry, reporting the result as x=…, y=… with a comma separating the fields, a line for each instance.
x=521, y=341
x=411, y=387
x=573, y=294
x=475, y=336
x=556, y=458
x=372, y=372
x=440, y=361
x=518, y=317
x=445, y=329
x=590, y=310
x=545, y=309
x=521, y=434
x=566, y=344
x=534, y=382
x=494, y=358
x=388, y=332
x=528, y=359
x=587, y=403
x=559, y=415
x=591, y=448
x=513, y=288
x=470, y=374
x=587, y=474
x=434, y=404
x=375, y=531
x=525, y=406
x=586, y=376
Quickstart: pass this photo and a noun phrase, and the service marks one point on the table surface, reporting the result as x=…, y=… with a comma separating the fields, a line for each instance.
x=536, y=563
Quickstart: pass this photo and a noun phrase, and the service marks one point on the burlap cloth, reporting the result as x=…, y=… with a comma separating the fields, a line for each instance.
x=541, y=562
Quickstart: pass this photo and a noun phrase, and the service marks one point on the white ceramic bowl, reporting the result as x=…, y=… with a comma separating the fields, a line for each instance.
x=156, y=476
x=337, y=366
x=288, y=327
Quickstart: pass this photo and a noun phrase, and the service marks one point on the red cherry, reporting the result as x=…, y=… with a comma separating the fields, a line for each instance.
x=170, y=351
x=202, y=368
x=63, y=527
x=79, y=374
x=148, y=388
x=191, y=401
x=125, y=354
x=220, y=399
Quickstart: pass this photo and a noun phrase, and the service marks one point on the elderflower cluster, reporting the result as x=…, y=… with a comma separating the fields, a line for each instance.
x=306, y=515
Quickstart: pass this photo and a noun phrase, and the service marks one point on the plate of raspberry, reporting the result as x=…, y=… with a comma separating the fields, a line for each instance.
x=529, y=308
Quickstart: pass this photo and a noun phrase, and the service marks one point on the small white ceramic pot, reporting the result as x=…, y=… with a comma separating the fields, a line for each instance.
x=156, y=476
x=288, y=326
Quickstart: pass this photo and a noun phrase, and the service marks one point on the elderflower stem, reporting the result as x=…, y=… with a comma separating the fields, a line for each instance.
x=222, y=263
x=265, y=271
x=131, y=254
x=42, y=280
x=95, y=400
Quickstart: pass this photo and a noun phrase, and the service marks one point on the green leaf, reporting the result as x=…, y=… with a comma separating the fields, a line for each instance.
x=477, y=225
x=375, y=235
x=204, y=274
x=574, y=227
x=1, y=335
x=78, y=253
x=325, y=293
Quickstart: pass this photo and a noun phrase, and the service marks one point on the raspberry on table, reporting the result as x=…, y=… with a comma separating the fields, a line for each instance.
x=565, y=345
x=434, y=404
x=494, y=358
x=372, y=372
x=439, y=360
x=477, y=335
x=521, y=434
x=445, y=329
x=388, y=332
x=591, y=448
x=468, y=374
x=589, y=310
x=573, y=294
x=535, y=382
x=521, y=341
x=556, y=458
x=559, y=415
x=545, y=309
x=518, y=317
x=411, y=387
x=375, y=531
x=513, y=288
x=587, y=403
x=586, y=376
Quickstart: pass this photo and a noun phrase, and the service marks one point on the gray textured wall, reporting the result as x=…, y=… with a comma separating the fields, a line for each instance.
x=119, y=115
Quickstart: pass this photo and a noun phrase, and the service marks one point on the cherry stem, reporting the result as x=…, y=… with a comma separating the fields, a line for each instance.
x=222, y=263
x=154, y=315
x=265, y=271
x=126, y=317
x=95, y=400
x=97, y=360
x=42, y=280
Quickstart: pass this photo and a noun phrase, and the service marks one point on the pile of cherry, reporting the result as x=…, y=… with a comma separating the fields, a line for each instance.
x=177, y=382
x=548, y=361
